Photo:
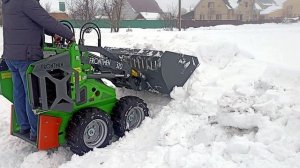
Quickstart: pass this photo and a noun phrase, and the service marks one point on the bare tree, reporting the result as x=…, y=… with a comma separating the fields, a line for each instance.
x=47, y=7
x=1, y=13
x=170, y=18
x=179, y=15
x=84, y=10
x=113, y=10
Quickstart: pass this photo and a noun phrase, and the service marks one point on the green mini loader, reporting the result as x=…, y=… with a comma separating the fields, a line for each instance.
x=75, y=107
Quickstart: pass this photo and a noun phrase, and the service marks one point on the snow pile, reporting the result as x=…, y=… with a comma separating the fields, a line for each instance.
x=240, y=108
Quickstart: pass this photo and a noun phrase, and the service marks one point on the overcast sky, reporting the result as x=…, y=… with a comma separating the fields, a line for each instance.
x=164, y=4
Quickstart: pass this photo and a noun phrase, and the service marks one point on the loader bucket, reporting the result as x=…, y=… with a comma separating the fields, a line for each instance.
x=6, y=86
x=162, y=70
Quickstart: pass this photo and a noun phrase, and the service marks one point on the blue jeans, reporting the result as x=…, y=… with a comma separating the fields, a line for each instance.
x=25, y=117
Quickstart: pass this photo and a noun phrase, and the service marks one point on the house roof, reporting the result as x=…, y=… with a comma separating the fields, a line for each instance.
x=272, y=5
x=267, y=2
x=150, y=16
x=270, y=9
x=234, y=3
x=60, y=15
x=189, y=15
x=145, y=6
x=258, y=7
x=226, y=2
x=280, y=2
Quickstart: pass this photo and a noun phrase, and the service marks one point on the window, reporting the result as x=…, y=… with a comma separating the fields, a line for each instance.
x=240, y=17
x=290, y=11
x=211, y=5
x=202, y=17
x=246, y=4
x=290, y=8
x=219, y=17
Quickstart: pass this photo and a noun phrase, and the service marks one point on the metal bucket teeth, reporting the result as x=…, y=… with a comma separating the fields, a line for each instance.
x=163, y=70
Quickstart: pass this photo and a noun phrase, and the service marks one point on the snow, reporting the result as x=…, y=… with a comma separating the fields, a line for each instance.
x=280, y=2
x=270, y=9
x=257, y=6
x=233, y=3
x=240, y=108
x=150, y=16
x=273, y=7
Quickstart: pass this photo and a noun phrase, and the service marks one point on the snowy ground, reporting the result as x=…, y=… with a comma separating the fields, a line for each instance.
x=240, y=109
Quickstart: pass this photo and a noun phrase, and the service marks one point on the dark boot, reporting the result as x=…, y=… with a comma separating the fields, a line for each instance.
x=33, y=138
x=24, y=132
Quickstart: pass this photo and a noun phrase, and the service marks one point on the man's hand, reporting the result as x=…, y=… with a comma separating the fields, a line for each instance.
x=71, y=41
x=57, y=40
x=57, y=37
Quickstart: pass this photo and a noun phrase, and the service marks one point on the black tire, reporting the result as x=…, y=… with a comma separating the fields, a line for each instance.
x=83, y=129
x=125, y=108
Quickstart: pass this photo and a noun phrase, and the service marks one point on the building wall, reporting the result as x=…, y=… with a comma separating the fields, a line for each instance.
x=213, y=10
x=60, y=16
x=278, y=14
x=246, y=11
x=291, y=8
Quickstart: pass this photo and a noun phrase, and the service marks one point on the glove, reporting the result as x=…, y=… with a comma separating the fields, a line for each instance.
x=57, y=40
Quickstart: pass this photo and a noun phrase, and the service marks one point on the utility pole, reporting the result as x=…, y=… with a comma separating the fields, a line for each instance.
x=179, y=16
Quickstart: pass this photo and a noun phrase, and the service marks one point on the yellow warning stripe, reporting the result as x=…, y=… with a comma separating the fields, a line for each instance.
x=78, y=69
x=6, y=75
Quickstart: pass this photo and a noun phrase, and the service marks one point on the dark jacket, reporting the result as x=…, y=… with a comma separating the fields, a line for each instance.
x=24, y=23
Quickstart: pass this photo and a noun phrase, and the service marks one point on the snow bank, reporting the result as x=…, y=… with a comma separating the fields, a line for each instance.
x=240, y=108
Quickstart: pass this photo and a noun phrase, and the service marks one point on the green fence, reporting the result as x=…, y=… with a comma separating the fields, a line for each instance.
x=159, y=24
x=144, y=24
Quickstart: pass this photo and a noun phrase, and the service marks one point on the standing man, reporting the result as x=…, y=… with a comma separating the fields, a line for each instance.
x=24, y=23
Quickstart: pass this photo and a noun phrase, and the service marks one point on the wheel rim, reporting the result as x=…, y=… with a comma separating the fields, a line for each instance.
x=95, y=133
x=134, y=118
